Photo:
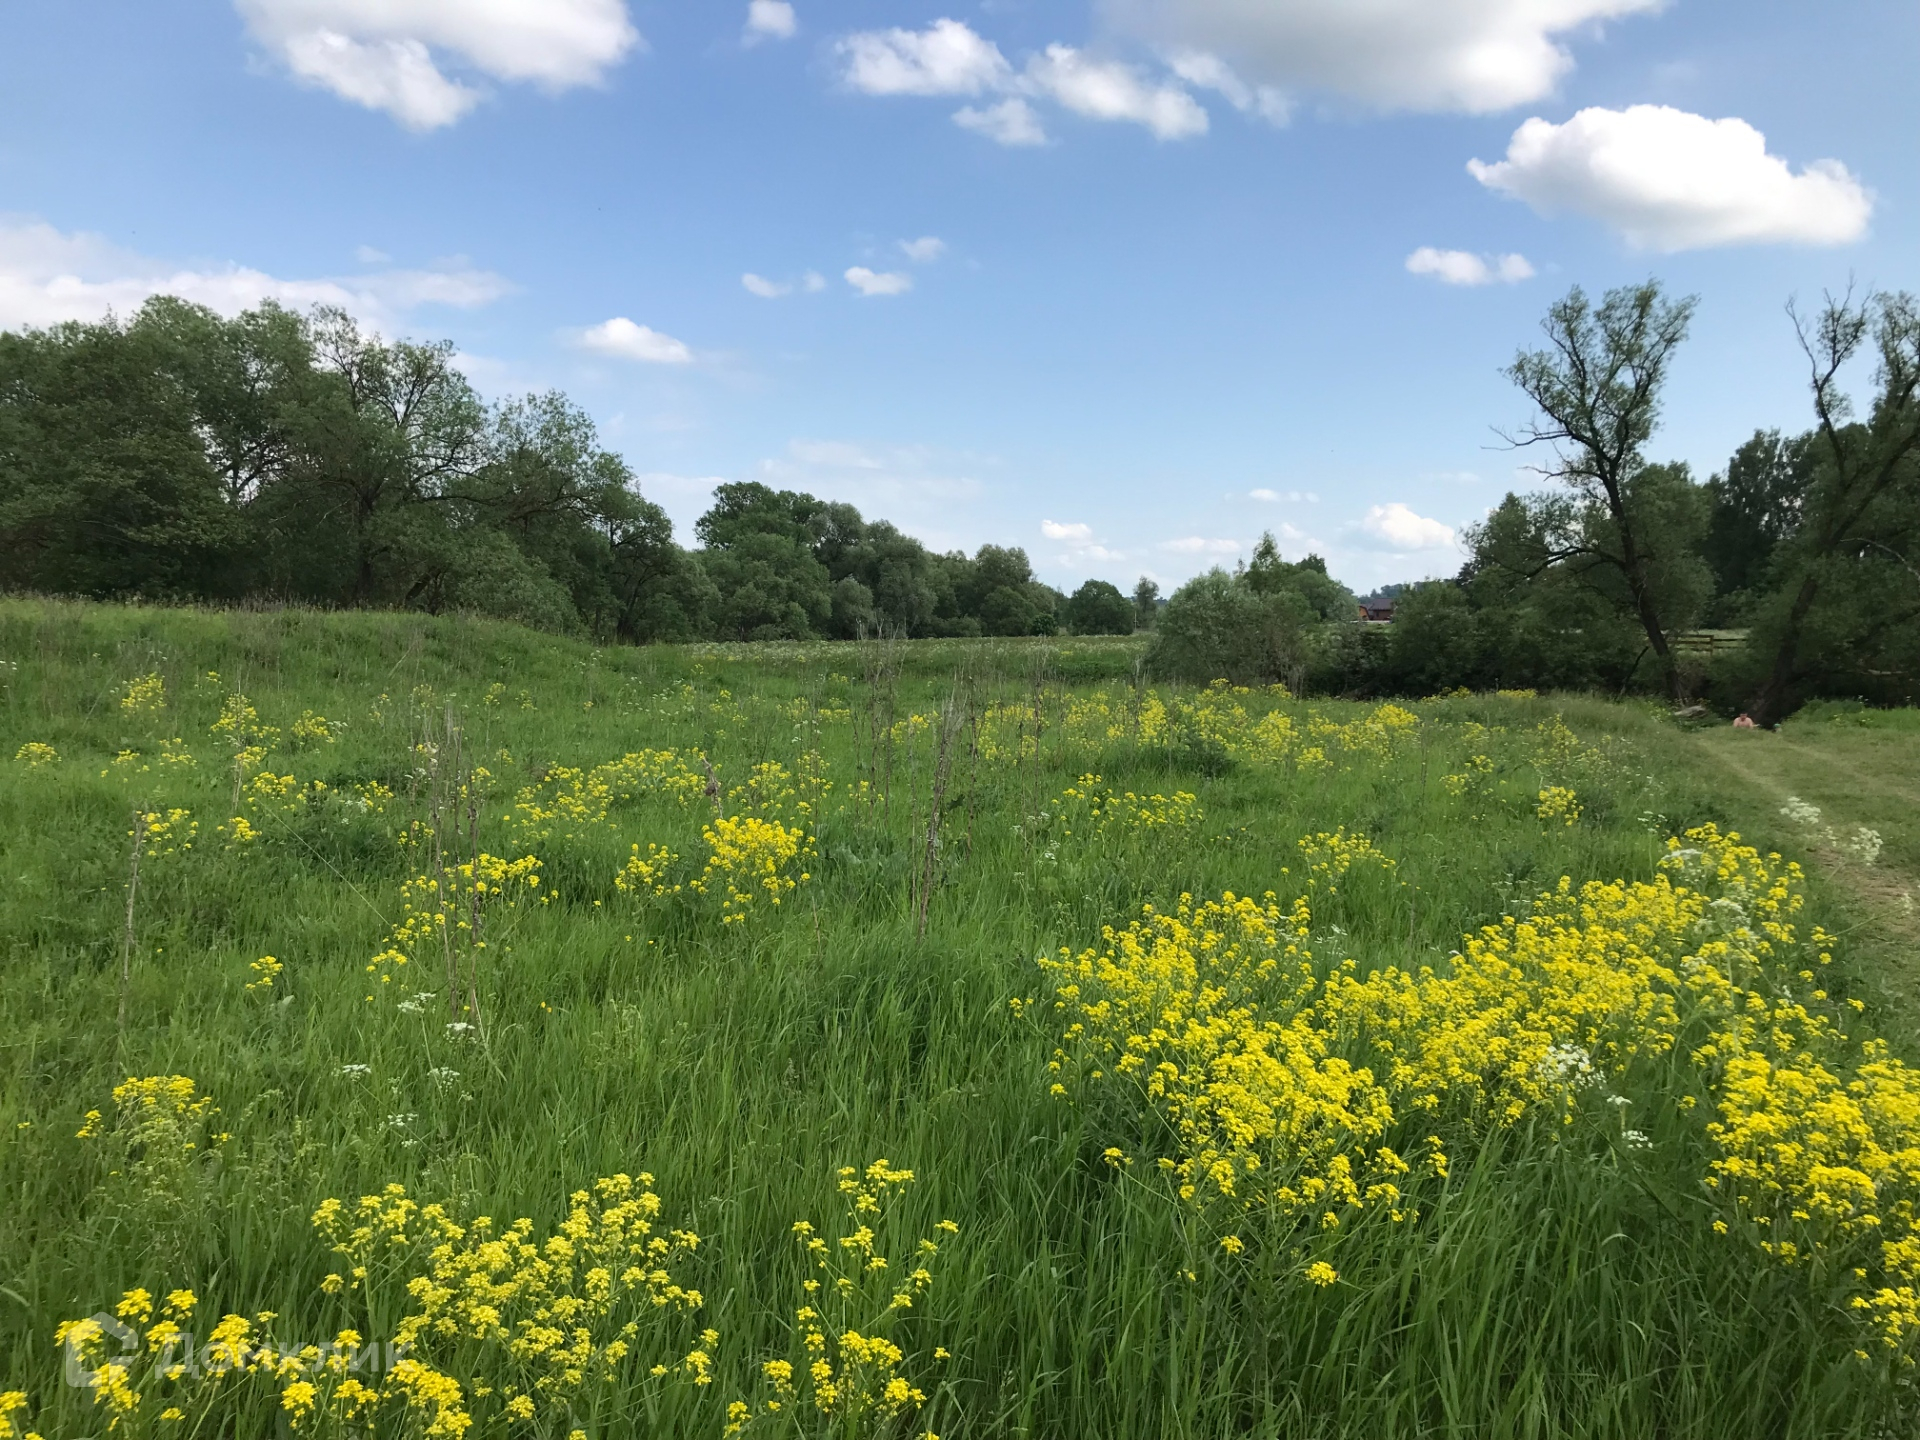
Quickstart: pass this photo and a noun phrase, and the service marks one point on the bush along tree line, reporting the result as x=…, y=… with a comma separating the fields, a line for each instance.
x=181, y=455
x=1793, y=573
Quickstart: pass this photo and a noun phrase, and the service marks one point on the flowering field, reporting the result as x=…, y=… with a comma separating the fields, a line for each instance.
x=426, y=1028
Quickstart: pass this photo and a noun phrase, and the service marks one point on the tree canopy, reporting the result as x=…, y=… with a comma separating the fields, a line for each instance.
x=178, y=454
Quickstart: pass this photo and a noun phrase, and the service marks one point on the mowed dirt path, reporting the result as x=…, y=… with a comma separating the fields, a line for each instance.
x=1857, y=777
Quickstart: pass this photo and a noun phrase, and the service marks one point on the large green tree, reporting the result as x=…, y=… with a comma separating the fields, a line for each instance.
x=1757, y=503
x=1845, y=594
x=759, y=550
x=1098, y=608
x=106, y=484
x=1597, y=388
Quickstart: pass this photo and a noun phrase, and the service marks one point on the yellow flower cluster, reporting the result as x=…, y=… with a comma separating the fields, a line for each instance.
x=169, y=832
x=1206, y=1015
x=237, y=831
x=36, y=753
x=12, y=1402
x=1104, y=811
x=844, y=1363
x=537, y=1325
x=449, y=907
x=204, y=1388
x=1331, y=854
x=267, y=793
x=144, y=695
x=154, y=1146
x=239, y=725
x=312, y=729
x=771, y=789
x=570, y=801
x=1475, y=777
x=1217, y=718
x=1216, y=1019
x=160, y=1111
x=265, y=970
x=748, y=861
x=1557, y=802
x=646, y=875
x=283, y=793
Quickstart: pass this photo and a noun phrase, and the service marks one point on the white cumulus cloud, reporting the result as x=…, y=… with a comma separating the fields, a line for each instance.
x=1201, y=545
x=924, y=250
x=1397, y=527
x=813, y=282
x=1109, y=90
x=1435, y=55
x=1463, y=267
x=1010, y=122
x=1669, y=180
x=947, y=58
x=770, y=20
x=881, y=282
x=1071, y=531
x=621, y=339
x=48, y=275
x=950, y=58
x=388, y=54
x=766, y=289
x=1210, y=72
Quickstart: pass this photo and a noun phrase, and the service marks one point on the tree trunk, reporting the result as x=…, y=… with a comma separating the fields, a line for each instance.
x=1776, y=692
x=1635, y=568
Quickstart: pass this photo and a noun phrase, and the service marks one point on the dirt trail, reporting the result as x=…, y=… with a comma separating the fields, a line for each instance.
x=1887, y=892
x=1802, y=751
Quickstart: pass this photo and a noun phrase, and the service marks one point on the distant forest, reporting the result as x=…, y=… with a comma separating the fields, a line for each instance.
x=181, y=455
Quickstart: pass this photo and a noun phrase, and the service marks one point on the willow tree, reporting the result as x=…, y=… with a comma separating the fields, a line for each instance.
x=1597, y=388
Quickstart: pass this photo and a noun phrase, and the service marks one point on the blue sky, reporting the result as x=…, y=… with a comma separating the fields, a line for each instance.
x=1143, y=273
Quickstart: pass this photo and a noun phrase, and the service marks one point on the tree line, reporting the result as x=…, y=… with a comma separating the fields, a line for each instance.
x=1806, y=547
x=181, y=455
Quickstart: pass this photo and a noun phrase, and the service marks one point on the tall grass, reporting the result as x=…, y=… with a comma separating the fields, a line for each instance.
x=1556, y=1284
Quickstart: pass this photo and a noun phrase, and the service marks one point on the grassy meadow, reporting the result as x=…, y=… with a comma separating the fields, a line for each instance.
x=951, y=1038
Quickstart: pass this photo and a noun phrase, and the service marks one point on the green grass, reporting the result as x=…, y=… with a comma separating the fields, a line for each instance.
x=1554, y=1286
x=1858, y=768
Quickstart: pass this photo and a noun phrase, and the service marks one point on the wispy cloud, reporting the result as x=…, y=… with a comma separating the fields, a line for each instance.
x=48, y=275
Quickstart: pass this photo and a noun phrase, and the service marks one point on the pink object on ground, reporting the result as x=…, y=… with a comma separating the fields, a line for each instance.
x=1744, y=722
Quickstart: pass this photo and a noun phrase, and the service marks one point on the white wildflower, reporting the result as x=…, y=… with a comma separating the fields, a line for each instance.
x=1865, y=845
x=1568, y=1065
x=1800, y=812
